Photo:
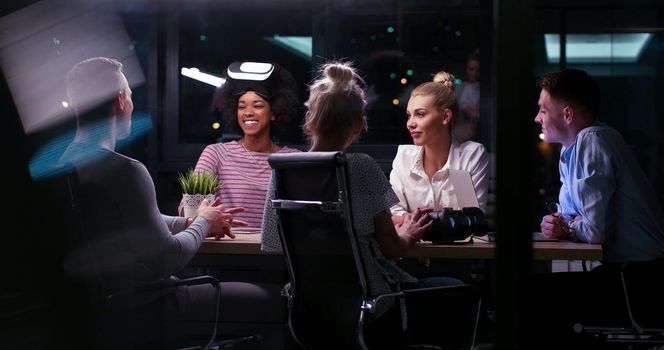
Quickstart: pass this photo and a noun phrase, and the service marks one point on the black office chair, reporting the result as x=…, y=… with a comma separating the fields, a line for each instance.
x=328, y=298
x=111, y=318
x=643, y=307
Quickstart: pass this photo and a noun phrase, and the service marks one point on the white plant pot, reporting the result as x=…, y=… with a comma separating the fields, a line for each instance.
x=192, y=201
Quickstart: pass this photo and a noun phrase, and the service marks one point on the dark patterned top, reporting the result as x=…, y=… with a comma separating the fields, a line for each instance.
x=371, y=194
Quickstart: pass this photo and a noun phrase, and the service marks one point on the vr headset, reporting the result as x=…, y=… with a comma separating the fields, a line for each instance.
x=452, y=226
x=251, y=76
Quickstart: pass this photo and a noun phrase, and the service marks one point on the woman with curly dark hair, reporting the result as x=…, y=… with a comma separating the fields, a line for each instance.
x=256, y=99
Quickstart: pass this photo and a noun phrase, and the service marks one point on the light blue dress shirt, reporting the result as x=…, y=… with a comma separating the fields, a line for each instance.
x=610, y=196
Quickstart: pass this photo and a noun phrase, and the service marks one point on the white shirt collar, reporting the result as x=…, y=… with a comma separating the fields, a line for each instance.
x=417, y=167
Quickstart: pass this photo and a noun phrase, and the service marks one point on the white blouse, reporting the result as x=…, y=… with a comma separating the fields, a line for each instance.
x=412, y=185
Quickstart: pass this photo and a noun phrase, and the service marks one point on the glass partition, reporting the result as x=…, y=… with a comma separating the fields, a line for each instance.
x=395, y=44
x=621, y=47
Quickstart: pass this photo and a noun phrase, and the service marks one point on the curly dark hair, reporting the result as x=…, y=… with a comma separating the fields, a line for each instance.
x=283, y=102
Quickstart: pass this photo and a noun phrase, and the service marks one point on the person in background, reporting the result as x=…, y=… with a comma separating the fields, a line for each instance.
x=131, y=242
x=605, y=198
x=334, y=120
x=255, y=99
x=420, y=172
x=468, y=93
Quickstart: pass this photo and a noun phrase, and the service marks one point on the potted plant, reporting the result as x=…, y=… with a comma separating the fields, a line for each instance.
x=196, y=187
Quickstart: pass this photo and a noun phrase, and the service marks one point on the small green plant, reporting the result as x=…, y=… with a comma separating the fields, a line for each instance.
x=201, y=182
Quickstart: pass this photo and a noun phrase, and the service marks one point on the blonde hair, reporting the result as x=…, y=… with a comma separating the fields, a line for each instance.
x=442, y=90
x=444, y=78
x=92, y=85
x=336, y=100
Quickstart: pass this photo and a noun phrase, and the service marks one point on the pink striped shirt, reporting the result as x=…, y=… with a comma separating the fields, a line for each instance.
x=244, y=177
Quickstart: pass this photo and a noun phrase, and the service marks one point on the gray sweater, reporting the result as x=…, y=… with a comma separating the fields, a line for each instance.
x=130, y=240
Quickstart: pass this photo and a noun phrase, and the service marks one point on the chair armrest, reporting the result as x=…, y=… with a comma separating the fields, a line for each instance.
x=464, y=290
x=175, y=282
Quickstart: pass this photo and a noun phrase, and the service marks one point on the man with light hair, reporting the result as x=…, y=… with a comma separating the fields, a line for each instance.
x=131, y=242
x=99, y=92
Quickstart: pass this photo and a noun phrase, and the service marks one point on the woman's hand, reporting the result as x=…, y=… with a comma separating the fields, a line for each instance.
x=414, y=225
x=399, y=219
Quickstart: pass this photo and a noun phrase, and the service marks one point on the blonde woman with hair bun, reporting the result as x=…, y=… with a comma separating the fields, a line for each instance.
x=336, y=108
x=444, y=78
x=334, y=120
x=420, y=172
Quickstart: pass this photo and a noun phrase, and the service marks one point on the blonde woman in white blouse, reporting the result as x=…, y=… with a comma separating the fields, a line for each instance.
x=420, y=172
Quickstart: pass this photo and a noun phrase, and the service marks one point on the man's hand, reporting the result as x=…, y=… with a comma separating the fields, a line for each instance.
x=220, y=219
x=553, y=226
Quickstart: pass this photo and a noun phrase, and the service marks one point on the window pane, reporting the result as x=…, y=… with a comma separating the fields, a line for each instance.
x=395, y=45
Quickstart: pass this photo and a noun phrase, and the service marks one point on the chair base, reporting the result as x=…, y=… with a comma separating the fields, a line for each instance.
x=228, y=343
x=624, y=335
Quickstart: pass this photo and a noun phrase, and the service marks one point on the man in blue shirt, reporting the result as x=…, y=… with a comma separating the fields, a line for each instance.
x=604, y=198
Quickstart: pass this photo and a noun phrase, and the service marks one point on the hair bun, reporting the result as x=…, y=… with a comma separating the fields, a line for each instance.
x=340, y=74
x=444, y=78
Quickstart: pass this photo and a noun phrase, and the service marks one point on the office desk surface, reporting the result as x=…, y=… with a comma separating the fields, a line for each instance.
x=249, y=244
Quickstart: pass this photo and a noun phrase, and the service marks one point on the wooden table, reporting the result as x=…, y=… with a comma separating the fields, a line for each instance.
x=245, y=244
x=249, y=244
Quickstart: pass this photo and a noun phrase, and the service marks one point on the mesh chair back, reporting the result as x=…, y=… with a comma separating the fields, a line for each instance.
x=328, y=282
